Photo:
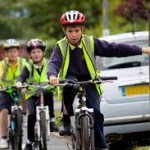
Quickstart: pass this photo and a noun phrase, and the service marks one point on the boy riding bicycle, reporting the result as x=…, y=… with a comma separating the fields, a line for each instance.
x=35, y=72
x=73, y=57
x=10, y=69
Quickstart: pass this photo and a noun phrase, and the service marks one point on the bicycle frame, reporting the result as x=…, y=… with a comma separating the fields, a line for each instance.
x=82, y=111
x=40, y=108
x=14, y=108
x=12, y=128
x=15, y=118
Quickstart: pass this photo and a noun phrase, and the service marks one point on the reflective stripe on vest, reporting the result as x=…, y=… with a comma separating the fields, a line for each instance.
x=8, y=78
x=88, y=52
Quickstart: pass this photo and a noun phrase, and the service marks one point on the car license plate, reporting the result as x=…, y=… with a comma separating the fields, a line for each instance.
x=135, y=90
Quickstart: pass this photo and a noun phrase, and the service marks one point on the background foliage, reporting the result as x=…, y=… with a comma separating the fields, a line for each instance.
x=40, y=18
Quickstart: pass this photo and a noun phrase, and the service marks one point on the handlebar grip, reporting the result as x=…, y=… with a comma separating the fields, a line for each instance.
x=109, y=78
x=68, y=81
x=62, y=81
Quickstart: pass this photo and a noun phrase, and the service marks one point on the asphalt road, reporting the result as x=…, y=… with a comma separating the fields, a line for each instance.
x=56, y=142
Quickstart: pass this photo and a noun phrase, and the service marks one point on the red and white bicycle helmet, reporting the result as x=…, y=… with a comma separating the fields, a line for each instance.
x=72, y=17
x=35, y=43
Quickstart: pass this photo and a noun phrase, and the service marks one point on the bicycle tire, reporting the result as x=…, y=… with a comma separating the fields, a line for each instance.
x=18, y=129
x=16, y=135
x=85, y=133
x=11, y=139
x=36, y=142
x=43, y=142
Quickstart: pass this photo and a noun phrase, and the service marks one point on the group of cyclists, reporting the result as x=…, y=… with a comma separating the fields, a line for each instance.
x=73, y=57
x=15, y=71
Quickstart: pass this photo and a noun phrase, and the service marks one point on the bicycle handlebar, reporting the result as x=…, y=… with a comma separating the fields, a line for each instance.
x=99, y=80
x=5, y=88
x=13, y=92
x=37, y=86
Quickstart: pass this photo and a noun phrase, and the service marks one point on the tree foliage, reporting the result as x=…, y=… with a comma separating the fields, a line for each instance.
x=44, y=16
x=40, y=18
x=12, y=20
x=132, y=11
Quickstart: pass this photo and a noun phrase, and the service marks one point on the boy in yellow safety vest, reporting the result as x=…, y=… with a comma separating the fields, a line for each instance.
x=10, y=68
x=73, y=57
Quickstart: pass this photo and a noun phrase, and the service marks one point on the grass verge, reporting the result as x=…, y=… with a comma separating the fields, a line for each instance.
x=142, y=148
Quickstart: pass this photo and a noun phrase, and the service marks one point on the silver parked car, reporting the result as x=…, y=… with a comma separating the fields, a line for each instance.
x=126, y=101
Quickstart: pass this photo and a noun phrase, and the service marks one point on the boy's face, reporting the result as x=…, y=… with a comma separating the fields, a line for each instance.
x=12, y=54
x=73, y=33
x=36, y=54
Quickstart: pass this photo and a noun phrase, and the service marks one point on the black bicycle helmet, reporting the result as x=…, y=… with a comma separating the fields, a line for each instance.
x=35, y=43
x=11, y=43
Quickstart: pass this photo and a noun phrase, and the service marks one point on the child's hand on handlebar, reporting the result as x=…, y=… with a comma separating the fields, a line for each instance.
x=18, y=84
x=53, y=80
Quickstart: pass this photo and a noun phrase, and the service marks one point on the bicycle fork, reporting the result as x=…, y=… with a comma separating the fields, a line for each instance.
x=46, y=110
x=12, y=117
x=82, y=112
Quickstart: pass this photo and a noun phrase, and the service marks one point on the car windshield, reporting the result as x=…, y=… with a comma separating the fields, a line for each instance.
x=125, y=62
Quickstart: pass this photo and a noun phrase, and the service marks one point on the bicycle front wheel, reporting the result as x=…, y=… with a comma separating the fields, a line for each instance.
x=85, y=133
x=43, y=142
x=16, y=133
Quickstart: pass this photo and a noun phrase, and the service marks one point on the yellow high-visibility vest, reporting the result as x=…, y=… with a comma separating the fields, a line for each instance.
x=88, y=52
x=36, y=79
x=9, y=77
